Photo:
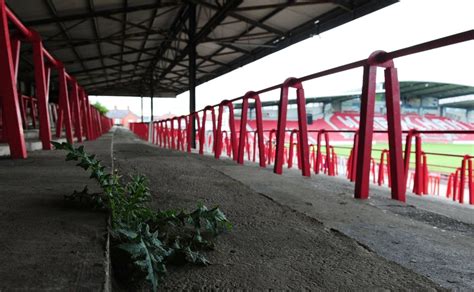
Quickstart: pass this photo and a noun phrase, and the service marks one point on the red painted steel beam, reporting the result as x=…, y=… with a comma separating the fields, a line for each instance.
x=16, y=44
x=8, y=90
x=438, y=43
x=55, y=63
x=77, y=112
x=26, y=33
x=41, y=91
x=65, y=108
x=434, y=44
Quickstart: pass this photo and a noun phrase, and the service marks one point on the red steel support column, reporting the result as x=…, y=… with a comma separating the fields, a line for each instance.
x=366, y=124
x=85, y=113
x=392, y=100
x=89, y=117
x=99, y=123
x=65, y=112
x=302, y=127
x=77, y=112
x=11, y=110
x=366, y=129
x=41, y=91
x=16, y=44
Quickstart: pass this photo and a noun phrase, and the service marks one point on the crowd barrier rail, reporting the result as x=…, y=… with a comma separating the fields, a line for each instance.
x=361, y=162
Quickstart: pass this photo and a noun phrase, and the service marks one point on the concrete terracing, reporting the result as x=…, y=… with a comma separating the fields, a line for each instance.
x=48, y=243
x=290, y=232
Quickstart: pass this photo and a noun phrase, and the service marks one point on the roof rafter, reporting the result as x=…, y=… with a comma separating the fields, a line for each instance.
x=217, y=18
x=99, y=13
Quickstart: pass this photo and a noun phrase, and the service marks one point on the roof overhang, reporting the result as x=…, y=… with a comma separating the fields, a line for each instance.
x=121, y=47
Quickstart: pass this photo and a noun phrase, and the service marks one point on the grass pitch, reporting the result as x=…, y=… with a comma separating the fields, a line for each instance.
x=438, y=163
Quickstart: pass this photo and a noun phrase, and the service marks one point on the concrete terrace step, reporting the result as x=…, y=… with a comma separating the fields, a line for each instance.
x=32, y=144
x=295, y=233
x=49, y=244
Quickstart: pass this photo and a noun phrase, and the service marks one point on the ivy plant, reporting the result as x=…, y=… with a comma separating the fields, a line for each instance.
x=145, y=241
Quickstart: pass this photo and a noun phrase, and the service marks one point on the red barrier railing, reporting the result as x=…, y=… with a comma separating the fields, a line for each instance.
x=140, y=129
x=360, y=164
x=218, y=137
x=80, y=117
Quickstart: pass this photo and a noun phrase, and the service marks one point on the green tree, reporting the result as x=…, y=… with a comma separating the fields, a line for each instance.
x=100, y=107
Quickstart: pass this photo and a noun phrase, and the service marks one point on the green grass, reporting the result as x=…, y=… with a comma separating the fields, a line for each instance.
x=435, y=162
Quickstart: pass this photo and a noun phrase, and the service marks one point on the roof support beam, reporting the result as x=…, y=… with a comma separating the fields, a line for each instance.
x=52, y=10
x=124, y=28
x=100, y=13
x=173, y=32
x=241, y=18
x=218, y=17
x=261, y=20
x=97, y=35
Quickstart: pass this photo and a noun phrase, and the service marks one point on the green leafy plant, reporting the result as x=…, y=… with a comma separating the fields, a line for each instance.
x=144, y=241
x=101, y=108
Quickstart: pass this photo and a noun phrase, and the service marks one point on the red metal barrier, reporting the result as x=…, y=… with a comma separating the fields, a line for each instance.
x=466, y=166
x=203, y=129
x=360, y=164
x=328, y=162
x=12, y=128
x=392, y=98
x=14, y=110
x=294, y=132
x=270, y=154
x=302, y=127
x=140, y=129
x=181, y=139
x=218, y=135
x=259, y=132
x=191, y=118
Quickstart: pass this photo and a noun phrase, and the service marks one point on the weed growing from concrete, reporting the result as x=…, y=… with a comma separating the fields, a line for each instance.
x=144, y=241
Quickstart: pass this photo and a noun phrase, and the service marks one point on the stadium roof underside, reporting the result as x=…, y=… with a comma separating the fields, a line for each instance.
x=465, y=104
x=121, y=47
x=433, y=89
x=407, y=89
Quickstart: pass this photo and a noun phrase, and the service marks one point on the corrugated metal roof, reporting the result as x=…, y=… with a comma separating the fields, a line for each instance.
x=114, y=46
